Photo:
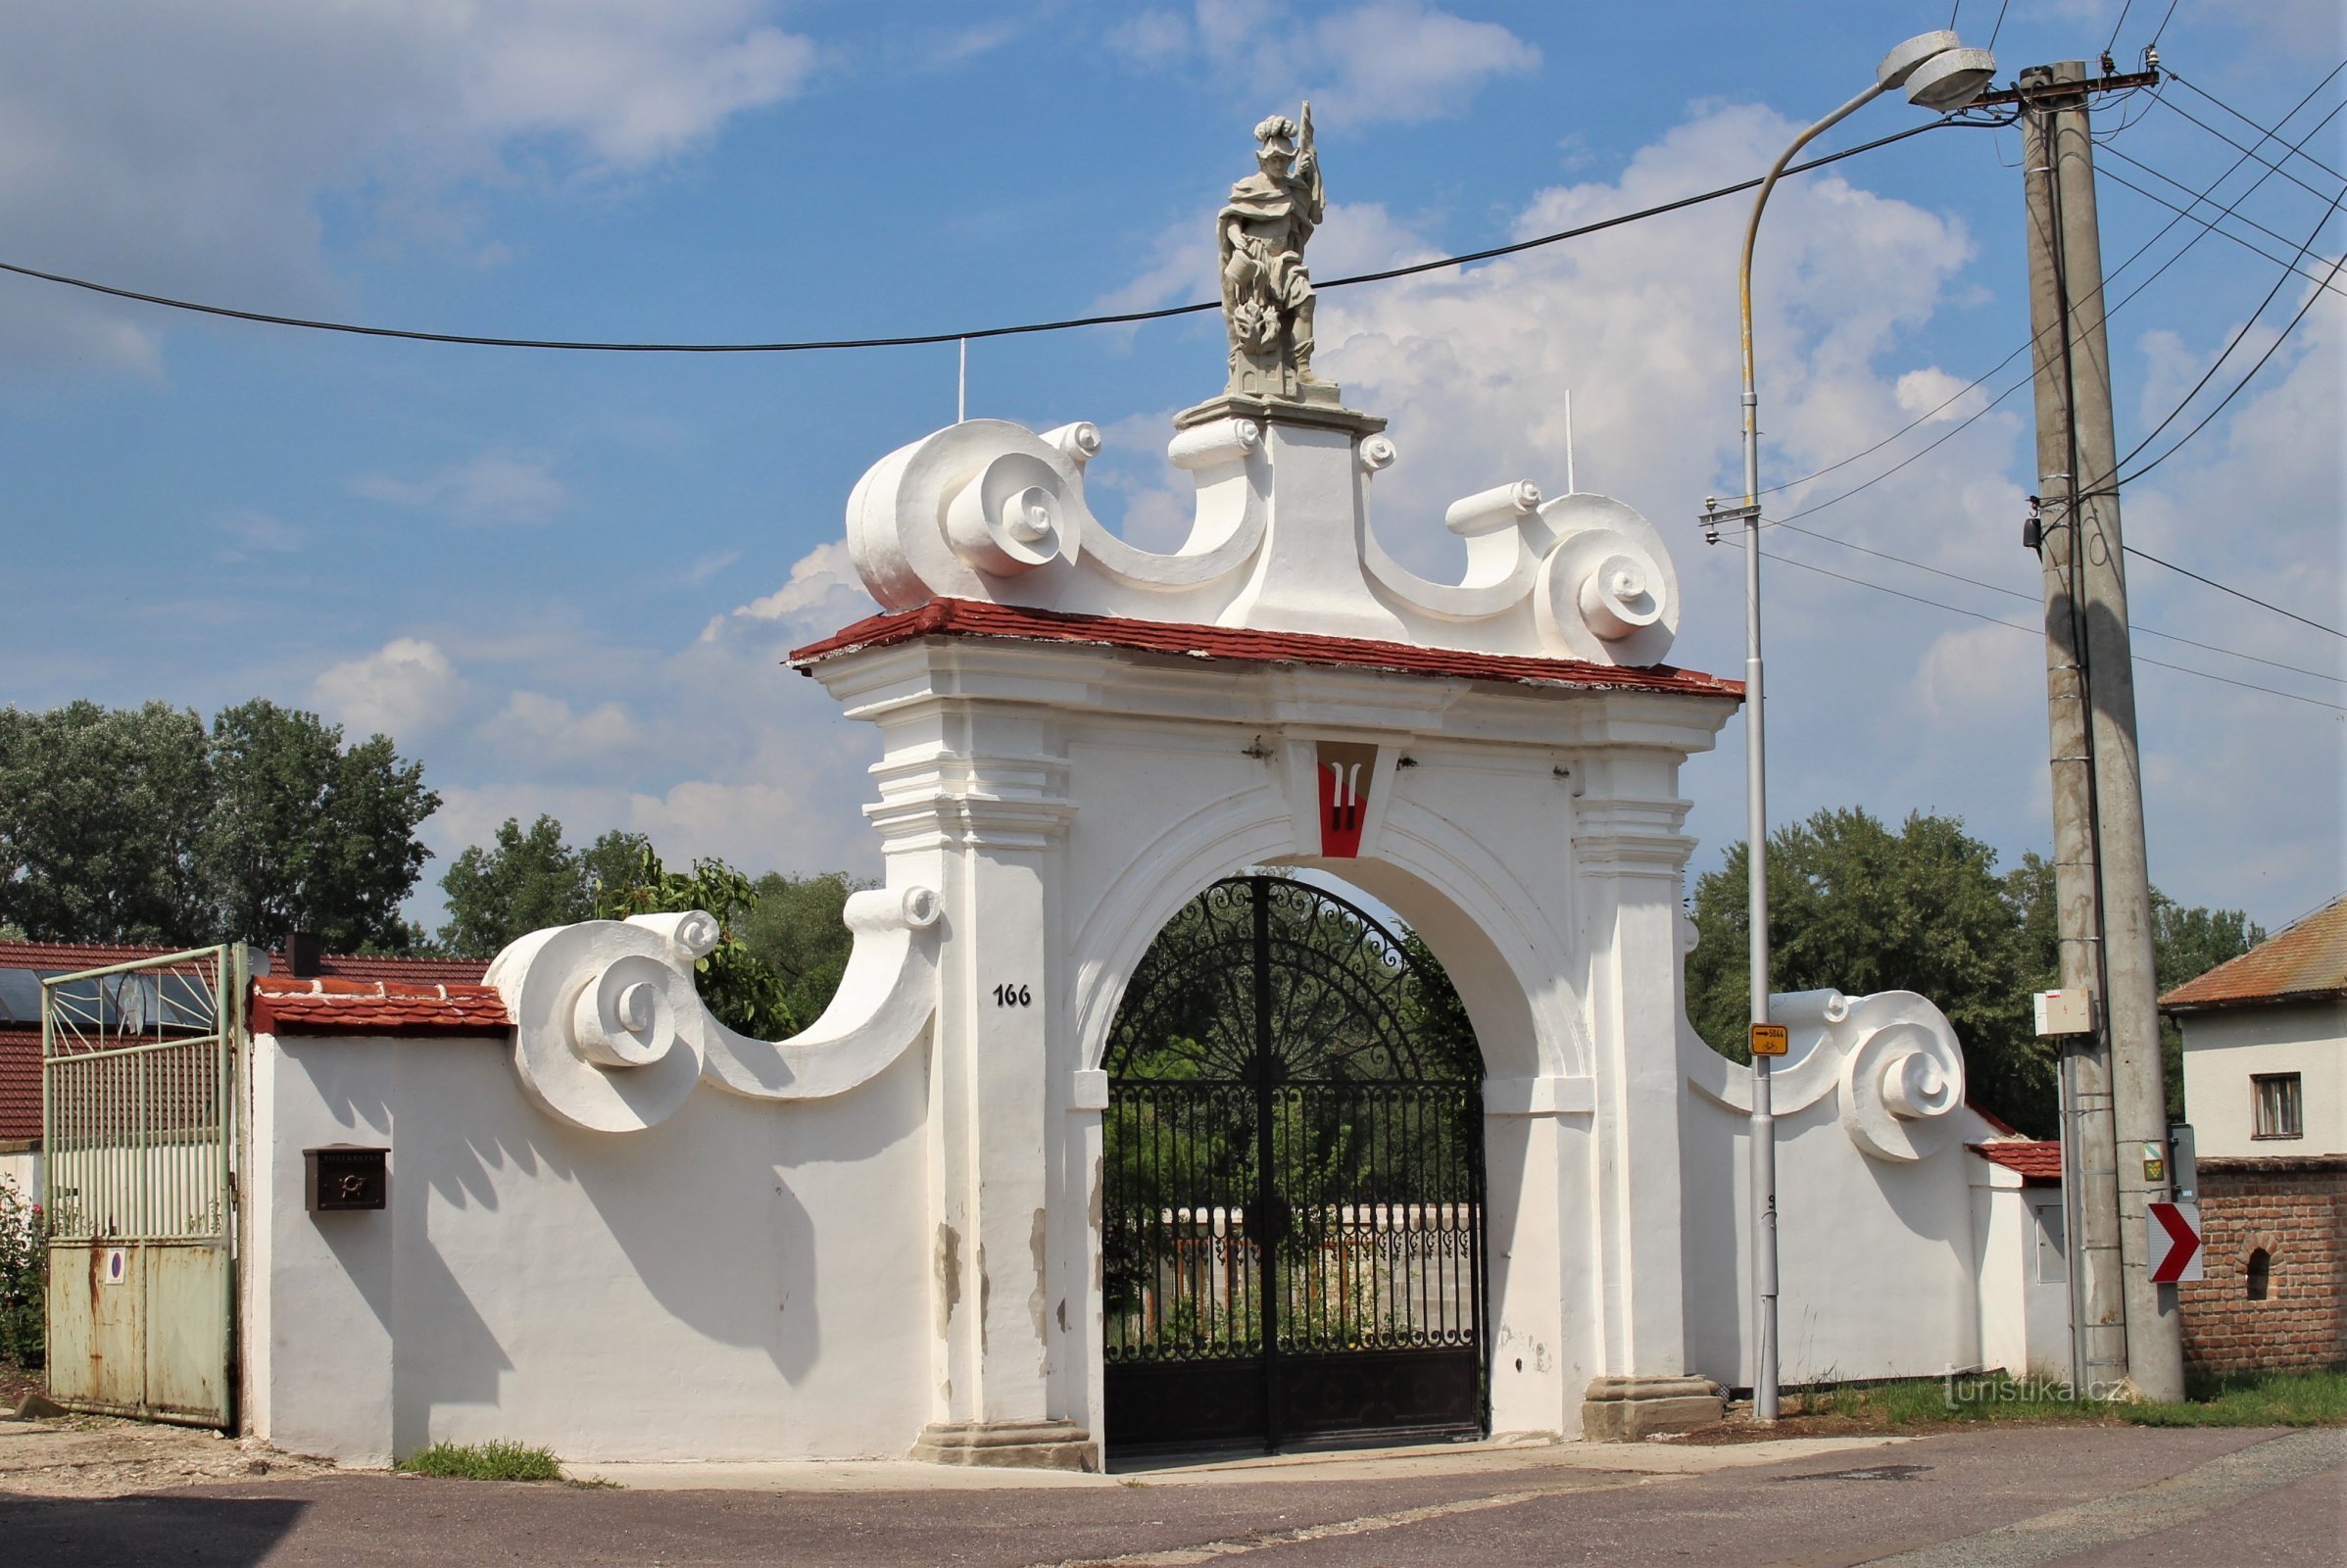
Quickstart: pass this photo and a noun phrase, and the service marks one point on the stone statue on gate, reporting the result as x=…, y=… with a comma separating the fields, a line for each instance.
x=1266, y=294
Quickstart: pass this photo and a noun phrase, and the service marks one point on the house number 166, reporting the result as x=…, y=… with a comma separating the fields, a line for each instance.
x=1012, y=997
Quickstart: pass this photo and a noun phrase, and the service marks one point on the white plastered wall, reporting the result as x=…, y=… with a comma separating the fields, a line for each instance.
x=744, y=1280
x=2224, y=1048
x=1882, y=1270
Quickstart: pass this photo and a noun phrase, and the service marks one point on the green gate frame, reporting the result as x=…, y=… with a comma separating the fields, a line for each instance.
x=139, y=1130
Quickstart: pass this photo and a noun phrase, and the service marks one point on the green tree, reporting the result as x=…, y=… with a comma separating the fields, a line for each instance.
x=100, y=811
x=745, y=993
x=2185, y=942
x=1861, y=909
x=306, y=834
x=798, y=928
x=526, y=880
x=138, y=825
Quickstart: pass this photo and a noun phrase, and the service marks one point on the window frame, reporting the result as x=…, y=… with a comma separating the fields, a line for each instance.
x=2290, y=1121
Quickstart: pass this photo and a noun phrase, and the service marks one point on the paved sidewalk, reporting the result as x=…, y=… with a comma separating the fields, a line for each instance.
x=1454, y=1459
x=2009, y=1497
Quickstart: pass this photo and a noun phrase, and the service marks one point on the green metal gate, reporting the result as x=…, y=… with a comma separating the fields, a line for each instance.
x=137, y=1118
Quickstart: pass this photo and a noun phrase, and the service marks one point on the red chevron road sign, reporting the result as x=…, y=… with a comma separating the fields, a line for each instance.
x=2175, y=1250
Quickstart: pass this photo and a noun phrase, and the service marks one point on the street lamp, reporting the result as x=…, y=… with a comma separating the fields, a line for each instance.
x=1940, y=74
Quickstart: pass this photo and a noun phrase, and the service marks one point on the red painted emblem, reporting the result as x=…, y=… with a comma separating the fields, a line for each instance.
x=1343, y=792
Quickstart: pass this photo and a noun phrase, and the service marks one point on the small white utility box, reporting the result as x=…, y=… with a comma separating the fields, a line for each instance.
x=2064, y=1012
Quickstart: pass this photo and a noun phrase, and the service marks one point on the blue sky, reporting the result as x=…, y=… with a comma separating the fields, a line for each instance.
x=565, y=581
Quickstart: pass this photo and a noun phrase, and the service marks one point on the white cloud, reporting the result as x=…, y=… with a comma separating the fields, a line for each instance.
x=823, y=594
x=1934, y=397
x=404, y=688
x=495, y=488
x=390, y=106
x=1389, y=60
x=549, y=729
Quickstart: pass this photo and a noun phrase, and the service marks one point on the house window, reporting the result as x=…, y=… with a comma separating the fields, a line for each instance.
x=2278, y=1114
x=2261, y=1274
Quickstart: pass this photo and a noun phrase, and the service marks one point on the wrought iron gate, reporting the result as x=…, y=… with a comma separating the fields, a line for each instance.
x=1293, y=1209
x=137, y=1097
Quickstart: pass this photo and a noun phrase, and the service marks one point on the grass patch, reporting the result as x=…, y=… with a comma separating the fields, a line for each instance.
x=2236, y=1399
x=484, y=1461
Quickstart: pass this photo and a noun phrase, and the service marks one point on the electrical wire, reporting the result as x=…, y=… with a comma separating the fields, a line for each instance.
x=2000, y=23
x=2179, y=109
x=2112, y=276
x=2195, y=87
x=2280, y=338
x=2262, y=604
x=912, y=340
x=2116, y=25
x=2014, y=593
x=2171, y=180
x=2235, y=342
x=2039, y=631
x=2161, y=31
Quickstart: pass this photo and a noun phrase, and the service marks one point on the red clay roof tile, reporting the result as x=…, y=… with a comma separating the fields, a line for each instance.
x=19, y=1082
x=2304, y=963
x=283, y=1004
x=967, y=617
x=2038, y=1161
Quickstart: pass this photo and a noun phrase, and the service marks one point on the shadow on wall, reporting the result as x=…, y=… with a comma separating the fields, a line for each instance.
x=557, y=1248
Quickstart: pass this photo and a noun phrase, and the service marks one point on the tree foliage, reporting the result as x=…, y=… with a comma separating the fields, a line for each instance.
x=746, y=993
x=798, y=928
x=142, y=825
x=1859, y=908
x=523, y=881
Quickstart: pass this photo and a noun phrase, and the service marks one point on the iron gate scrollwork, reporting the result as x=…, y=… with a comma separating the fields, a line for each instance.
x=1291, y=1221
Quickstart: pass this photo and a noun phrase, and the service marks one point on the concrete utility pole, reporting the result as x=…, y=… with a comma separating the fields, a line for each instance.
x=2115, y=1097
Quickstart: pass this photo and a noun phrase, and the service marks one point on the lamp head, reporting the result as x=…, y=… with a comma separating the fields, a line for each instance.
x=1939, y=73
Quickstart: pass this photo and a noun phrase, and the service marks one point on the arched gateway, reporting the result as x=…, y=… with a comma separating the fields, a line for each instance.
x=1292, y=1225
x=1095, y=1138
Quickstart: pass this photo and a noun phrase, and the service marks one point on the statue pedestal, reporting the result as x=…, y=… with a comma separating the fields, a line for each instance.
x=1319, y=403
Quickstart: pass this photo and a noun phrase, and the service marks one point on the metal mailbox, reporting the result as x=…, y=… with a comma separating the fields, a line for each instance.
x=345, y=1176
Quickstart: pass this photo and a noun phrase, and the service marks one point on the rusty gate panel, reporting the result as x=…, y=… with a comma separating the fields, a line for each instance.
x=137, y=1090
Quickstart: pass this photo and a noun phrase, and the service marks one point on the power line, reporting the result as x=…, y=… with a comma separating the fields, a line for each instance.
x=2278, y=340
x=2014, y=593
x=2181, y=110
x=912, y=340
x=2221, y=232
x=2218, y=363
x=2170, y=180
x=2116, y=25
x=2262, y=604
x=2039, y=631
x=2252, y=125
x=2206, y=195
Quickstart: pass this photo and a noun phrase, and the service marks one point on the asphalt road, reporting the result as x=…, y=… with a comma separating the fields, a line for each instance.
x=1998, y=1498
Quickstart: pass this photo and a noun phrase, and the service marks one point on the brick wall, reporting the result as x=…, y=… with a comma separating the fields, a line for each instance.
x=2296, y=1211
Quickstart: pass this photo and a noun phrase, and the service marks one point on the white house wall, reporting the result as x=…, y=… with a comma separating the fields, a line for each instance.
x=743, y=1281
x=2224, y=1048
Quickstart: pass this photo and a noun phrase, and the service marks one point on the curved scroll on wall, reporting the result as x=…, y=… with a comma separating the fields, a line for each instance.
x=1902, y=1079
x=976, y=503
x=1226, y=460
x=610, y=1035
x=1505, y=540
x=1608, y=591
x=884, y=1002
x=1890, y=1058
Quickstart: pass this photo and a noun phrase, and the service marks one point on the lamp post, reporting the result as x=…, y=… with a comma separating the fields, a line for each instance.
x=1939, y=74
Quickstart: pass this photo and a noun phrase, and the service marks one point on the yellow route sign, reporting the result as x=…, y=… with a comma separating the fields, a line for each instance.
x=1771, y=1039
